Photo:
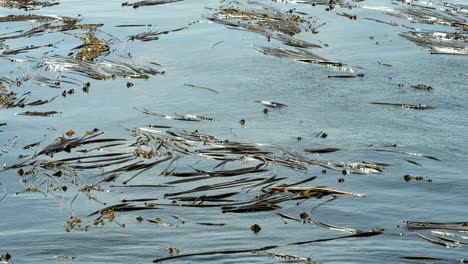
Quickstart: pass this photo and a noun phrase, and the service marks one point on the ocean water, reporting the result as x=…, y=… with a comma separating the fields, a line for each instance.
x=32, y=226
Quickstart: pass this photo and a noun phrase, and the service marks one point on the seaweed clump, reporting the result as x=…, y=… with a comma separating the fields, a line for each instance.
x=267, y=21
x=26, y=4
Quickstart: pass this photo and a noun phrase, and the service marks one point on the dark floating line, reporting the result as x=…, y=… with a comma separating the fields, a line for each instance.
x=227, y=252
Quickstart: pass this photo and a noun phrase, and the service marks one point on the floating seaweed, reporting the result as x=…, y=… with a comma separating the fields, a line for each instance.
x=347, y=76
x=265, y=20
x=177, y=117
x=407, y=106
x=272, y=104
x=408, y=178
x=35, y=113
x=437, y=242
x=226, y=252
x=38, y=18
x=91, y=48
x=439, y=42
x=11, y=99
x=338, y=228
x=287, y=257
x=434, y=258
x=323, y=150
x=25, y=4
x=298, y=55
x=285, y=216
x=422, y=87
x=313, y=191
x=100, y=69
x=201, y=87
x=149, y=3
x=153, y=35
x=361, y=234
x=419, y=225
x=422, y=14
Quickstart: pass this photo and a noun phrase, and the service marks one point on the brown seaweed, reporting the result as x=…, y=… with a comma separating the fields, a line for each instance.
x=123, y=207
x=265, y=20
x=26, y=5
x=35, y=113
x=38, y=18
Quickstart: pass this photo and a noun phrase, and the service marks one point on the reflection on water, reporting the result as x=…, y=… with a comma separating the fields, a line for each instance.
x=133, y=132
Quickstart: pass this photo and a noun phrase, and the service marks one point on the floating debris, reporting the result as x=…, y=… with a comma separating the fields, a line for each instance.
x=407, y=106
x=408, y=178
x=201, y=87
x=321, y=134
x=384, y=64
x=406, y=153
x=38, y=18
x=91, y=48
x=149, y=3
x=433, y=258
x=285, y=216
x=422, y=87
x=347, y=76
x=99, y=70
x=362, y=234
x=433, y=241
x=211, y=224
x=5, y=256
x=255, y=228
x=366, y=167
x=34, y=113
x=287, y=257
x=417, y=225
x=178, y=117
x=317, y=192
x=64, y=257
x=339, y=228
x=323, y=150
x=26, y=5
x=272, y=104
x=226, y=252
x=152, y=35
x=432, y=16
x=439, y=42
x=298, y=55
x=265, y=20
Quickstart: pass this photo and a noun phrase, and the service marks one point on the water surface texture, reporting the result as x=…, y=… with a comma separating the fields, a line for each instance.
x=183, y=124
